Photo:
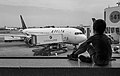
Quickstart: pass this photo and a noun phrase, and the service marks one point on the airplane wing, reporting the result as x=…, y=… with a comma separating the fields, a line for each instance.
x=14, y=35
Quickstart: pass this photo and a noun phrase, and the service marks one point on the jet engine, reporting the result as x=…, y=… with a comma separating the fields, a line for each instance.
x=28, y=41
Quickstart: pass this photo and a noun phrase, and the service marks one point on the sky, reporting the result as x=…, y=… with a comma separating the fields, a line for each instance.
x=52, y=12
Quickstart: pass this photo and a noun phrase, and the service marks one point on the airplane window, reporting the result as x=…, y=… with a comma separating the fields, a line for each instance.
x=77, y=33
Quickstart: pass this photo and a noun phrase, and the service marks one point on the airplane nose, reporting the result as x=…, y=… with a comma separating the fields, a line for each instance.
x=80, y=38
x=84, y=38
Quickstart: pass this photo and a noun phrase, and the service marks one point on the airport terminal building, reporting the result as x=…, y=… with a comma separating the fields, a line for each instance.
x=112, y=18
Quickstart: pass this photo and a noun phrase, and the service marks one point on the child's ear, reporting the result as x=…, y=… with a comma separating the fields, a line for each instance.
x=93, y=19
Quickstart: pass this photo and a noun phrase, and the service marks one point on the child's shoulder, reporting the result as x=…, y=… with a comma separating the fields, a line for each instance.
x=99, y=36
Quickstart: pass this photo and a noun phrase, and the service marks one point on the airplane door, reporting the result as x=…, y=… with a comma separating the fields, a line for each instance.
x=67, y=36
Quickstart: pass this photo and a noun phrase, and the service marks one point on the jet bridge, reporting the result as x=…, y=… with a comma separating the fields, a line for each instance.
x=46, y=39
x=52, y=44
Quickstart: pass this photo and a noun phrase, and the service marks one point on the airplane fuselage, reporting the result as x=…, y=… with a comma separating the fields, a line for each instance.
x=70, y=35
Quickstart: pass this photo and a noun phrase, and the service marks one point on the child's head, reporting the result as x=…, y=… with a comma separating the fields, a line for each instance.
x=99, y=26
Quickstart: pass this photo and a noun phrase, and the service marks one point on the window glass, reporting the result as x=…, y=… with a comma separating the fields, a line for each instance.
x=112, y=29
x=107, y=30
x=117, y=30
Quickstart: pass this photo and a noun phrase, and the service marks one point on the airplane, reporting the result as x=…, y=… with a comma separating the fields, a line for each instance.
x=70, y=35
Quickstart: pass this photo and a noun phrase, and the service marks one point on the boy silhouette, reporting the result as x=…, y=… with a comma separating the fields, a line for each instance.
x=98, y=46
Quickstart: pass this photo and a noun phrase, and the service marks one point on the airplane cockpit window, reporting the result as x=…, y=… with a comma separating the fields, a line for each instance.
x=77, y=33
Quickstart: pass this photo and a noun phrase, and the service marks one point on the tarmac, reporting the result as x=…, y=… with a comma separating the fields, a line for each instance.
x=18, y=54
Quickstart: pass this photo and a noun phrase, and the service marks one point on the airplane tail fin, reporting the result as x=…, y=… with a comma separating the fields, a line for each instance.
x=23, y=23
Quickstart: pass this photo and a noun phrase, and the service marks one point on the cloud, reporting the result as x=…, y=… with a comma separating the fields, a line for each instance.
x=52, y=11
x=73, y=5
x=55, y=4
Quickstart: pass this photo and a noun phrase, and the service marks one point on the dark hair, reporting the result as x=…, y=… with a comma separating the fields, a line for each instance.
x=99, y=26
